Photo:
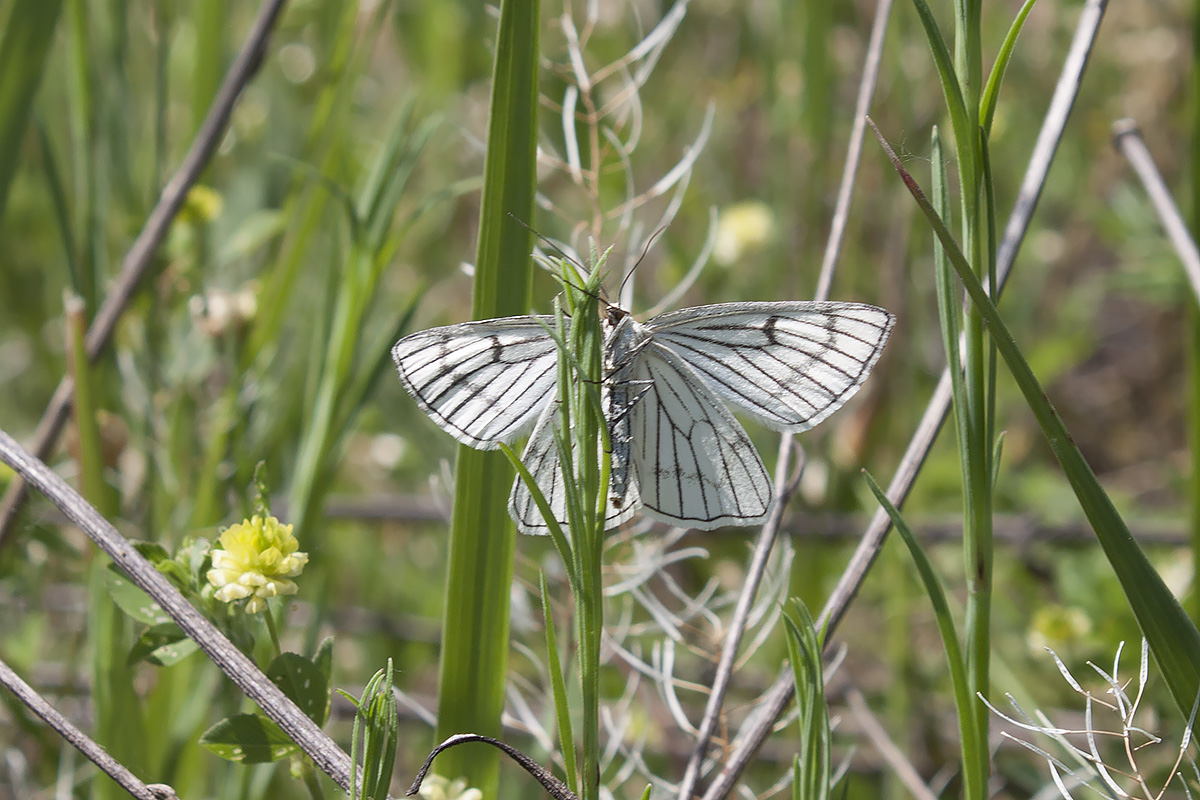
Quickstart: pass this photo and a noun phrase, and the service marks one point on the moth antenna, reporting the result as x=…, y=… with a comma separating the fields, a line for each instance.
x=546, y=241
x=578, y=266
x=641, y=258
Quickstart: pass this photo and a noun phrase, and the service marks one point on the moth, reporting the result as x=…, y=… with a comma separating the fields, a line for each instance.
x=678, y=453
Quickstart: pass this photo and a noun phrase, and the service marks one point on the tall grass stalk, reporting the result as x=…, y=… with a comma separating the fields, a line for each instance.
x=475, y=639
x=29, y=27
x=582, y=425
x=973, y=742
x=584, y=449
x=1193, y=349
x=971, y=106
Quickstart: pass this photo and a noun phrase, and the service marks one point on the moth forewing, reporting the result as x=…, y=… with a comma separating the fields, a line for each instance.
x=481, y=382
x=788, y=364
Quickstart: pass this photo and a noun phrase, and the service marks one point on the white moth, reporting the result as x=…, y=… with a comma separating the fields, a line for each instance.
x=678, y=452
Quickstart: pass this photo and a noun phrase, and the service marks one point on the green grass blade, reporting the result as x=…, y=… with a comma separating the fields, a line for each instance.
x=211, y=20
x=1173, y=637
x=475, y=642
x=558, y=688
x=974, y=784
x=987, y=104
x=373, y=738
x=91, y=458
x=960, y=120
x=339, y=386
x=812, y=769
x=62, y=213
x=1193, y=350
x=557, y=534
x=329, y=130
x=28, y=33
x=948, y=299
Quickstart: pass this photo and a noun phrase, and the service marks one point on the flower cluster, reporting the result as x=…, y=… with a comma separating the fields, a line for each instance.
x=435, y=787
x=257, y=558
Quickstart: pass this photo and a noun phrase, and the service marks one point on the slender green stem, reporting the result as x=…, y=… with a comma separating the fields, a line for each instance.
x=591, y=622
x=311, y=781
x=562, y=710
x=1193, y=350
x=592, y=464
x=977, y=531
x=973, y=778
x=269, y=616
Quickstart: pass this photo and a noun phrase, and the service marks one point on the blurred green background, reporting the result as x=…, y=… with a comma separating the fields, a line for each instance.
x=381, y=107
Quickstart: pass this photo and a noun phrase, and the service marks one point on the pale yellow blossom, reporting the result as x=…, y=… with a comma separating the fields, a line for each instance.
x=257, y=558
x=435, y=787
x=1057, y=627
x=741, y=229
x=202, y=204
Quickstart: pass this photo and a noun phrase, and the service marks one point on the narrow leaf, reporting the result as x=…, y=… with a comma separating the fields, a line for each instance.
x=1173, y=637
x=28, y=34
x=987, y=104
x=558, y=687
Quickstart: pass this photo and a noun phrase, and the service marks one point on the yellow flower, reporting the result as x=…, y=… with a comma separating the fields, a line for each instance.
x=1056, y=627
x=257, y=558
x=743, y=228
x=202, y=204
x=435, y=787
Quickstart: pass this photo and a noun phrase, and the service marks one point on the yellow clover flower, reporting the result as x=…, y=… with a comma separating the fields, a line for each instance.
x=435, y=787
x=256, y=559
x=202, y=204
x=743, y=228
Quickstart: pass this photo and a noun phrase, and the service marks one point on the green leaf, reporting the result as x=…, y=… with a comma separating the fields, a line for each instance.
x=987, y=105
x=163, y=645
x=323, y=658
x=303, y=682
x=373, y=738
x=812, y=769
x=153, y=552
x=132, y=600
x=961, y=122
x=28, y=34
x=558, y=687
x=966, y=705
x=248, y=739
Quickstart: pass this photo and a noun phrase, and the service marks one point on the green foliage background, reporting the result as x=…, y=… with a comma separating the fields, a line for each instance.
x=343, y=200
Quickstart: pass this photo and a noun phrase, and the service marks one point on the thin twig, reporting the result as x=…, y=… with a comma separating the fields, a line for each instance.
x=233, y=662
x=1128, y=139
x=810, y=526
x=772, y=703
x=80, y=740
x=895, y=758
x=140, y=257
x=866, y=89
